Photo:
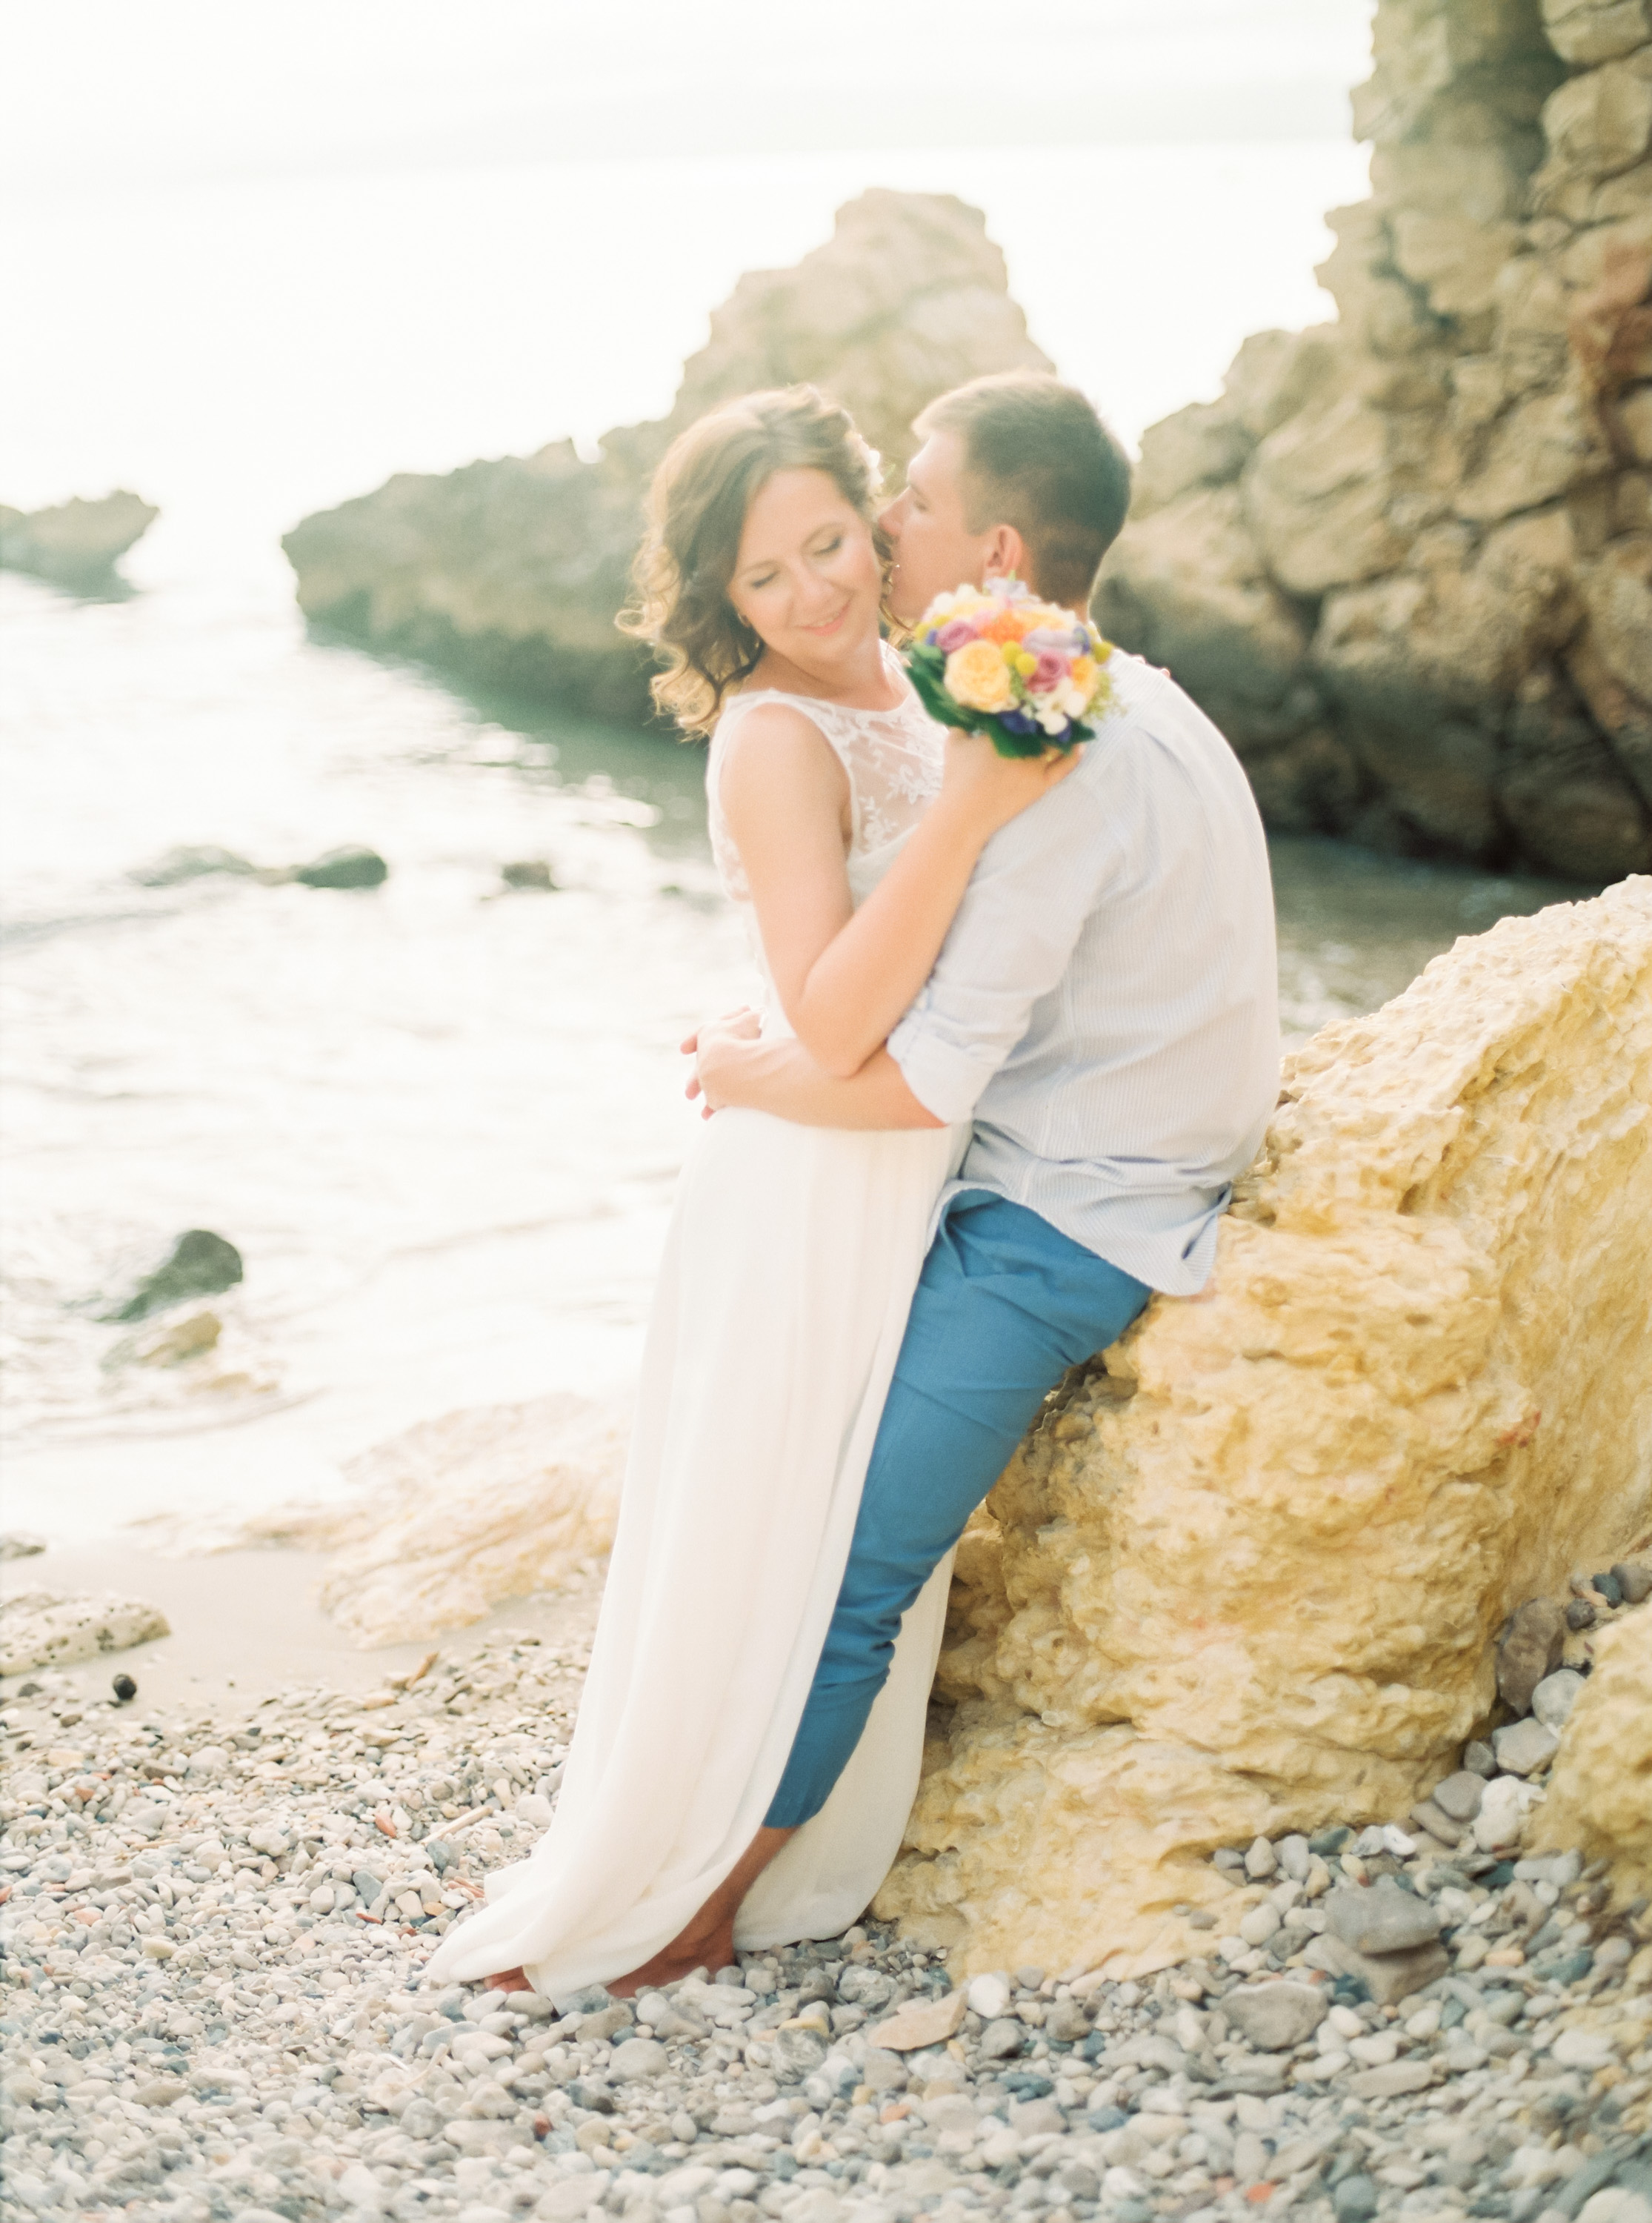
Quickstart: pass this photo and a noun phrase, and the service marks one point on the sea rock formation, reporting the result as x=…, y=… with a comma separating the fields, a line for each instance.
x=513, y=570
x=1247, y=1574
x=1600, y=1787
x=1405, y=561
x=199, y=1264
x=79, y=543
x=42, y=1628
x=452, y=1517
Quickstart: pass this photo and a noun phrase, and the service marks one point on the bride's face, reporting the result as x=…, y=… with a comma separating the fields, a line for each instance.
x=807, y=576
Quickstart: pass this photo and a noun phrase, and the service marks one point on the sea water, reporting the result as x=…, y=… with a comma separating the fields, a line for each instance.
x=442, y=1120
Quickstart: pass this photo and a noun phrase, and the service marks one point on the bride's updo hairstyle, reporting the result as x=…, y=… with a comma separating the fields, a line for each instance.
x=696, y=513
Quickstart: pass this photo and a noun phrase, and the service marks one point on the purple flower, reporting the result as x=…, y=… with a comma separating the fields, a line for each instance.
x=1048, y=674
x=952, y=636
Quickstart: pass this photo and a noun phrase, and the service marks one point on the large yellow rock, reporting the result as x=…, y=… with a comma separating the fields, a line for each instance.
x=1248, y=1577
x=1600, y=1787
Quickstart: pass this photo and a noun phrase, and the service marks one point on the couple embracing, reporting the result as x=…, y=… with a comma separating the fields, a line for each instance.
x=1017, y=1035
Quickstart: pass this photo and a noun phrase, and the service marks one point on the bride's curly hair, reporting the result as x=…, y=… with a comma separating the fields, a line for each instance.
x=696, y=513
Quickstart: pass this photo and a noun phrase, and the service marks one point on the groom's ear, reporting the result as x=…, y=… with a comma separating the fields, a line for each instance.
x=1007, y=556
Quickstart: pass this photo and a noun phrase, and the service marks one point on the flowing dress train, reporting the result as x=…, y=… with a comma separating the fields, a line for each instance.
x=789, y=1272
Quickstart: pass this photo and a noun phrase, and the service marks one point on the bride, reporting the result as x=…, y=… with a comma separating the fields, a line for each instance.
x=846, y=825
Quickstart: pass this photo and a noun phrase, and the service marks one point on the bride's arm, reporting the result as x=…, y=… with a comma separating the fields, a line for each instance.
x=735, y=1066
x=845, y=976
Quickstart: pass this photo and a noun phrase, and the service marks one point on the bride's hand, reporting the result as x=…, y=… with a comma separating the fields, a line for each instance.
x=742, y=1025
x=988, y=790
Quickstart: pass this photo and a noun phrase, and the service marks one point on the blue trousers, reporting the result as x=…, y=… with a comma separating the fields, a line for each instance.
x=1005, y=1305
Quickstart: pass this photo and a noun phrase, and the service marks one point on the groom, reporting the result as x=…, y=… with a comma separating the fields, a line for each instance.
x=1104, y=1010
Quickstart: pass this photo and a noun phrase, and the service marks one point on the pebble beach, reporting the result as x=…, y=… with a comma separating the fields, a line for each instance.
x=215, y=1922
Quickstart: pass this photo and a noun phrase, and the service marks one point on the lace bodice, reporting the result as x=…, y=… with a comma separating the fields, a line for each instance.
x=892, y=758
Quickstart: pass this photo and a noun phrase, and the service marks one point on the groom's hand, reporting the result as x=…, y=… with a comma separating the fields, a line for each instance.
x=714, y=1049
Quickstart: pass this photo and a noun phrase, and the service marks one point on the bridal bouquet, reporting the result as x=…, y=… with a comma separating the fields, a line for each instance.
x=995, y=660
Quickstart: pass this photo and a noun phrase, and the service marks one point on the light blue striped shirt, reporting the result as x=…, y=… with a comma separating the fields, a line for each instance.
x=1106, y=1005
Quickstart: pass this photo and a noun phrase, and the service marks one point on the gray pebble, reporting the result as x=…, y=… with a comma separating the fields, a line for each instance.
x=1554, y=1697
x=1355, y=2199
x=638, y=2057
x=1382, y=1919
x=1480, y=1760
x=1523, y=1747
x=1294, y=1857
x=1459, y=1796
x=1275, y=2017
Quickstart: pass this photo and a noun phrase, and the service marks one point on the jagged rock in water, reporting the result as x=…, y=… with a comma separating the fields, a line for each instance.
x=351, y=868
x=1600, y=1787
x=1406, y=560
x=79, y=543
x=194, y=862
x=199, y=1264
x=455, y=1514
x=513, y=570
x=1248, y=1577
x=533, y=874
x=171, y=1342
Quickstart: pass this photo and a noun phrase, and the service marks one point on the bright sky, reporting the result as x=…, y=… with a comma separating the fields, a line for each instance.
x=259, y=254
x=103, y=90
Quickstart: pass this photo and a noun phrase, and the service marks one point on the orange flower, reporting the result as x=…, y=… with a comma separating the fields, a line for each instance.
x=1004, y=625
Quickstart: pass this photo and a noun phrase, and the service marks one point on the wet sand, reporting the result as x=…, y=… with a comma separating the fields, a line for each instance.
x=243, y=1625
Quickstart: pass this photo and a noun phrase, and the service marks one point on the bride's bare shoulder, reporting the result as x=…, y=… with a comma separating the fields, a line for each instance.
x=771, y=744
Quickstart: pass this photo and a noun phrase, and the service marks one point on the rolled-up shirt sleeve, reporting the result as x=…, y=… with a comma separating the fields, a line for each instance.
x=1016, y=930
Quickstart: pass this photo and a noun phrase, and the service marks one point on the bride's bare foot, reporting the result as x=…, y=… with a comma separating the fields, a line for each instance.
x=681, y=1957
x=508, y=1980
x=706, y=1939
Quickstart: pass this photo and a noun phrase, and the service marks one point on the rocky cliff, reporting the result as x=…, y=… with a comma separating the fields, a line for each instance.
x=513, y=570
x=78, y=544
x=1247, y=1575
x=1406, y=559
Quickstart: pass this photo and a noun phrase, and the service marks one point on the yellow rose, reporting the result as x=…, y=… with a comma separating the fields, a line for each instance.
x=977, y=677
x=1082, y=674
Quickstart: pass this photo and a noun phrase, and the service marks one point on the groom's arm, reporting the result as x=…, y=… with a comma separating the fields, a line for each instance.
x=1037, y=881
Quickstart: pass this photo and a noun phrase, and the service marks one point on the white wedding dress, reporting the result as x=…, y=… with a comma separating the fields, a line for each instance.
x=784, y=1292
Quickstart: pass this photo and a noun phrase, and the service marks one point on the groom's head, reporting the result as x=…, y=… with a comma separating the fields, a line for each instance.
x=1016, y=474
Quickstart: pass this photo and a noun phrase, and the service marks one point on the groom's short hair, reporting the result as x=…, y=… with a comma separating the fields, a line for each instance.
x=1039, y=457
